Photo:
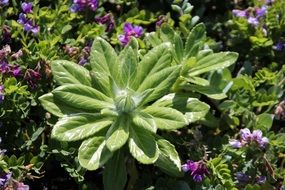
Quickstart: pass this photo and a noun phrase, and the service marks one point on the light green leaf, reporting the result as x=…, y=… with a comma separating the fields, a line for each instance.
x=213, y=62
x=79, y=126
x=193, y=109
x=118, y=134
x=93, y=153
x=57, y=107
x=142, y=145
x=82, y=97
x=128, y=66
x=101, y=83
x=161, y=82
x=264, y=122
x=166, y=118
x=209, y=91
x=168, y=160
x=103, y=58
x=67, y=72
x=155, y=60
x=194, y=39
x=145, y=121
x=178, y=44
x=115, y=172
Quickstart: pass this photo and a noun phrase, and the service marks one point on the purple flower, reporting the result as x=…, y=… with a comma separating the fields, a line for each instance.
x=4, y=3
x=1, y=93
x=17, y=55
x=27, y=7
x=129, y=31
x=279, y=46
x=161, y=19
x=28, y=24
x=22, y=186
x=260, y=12
x=4, y=67
x=16, y=71
x=242, y=178
x=261, y=179
x=32, y=78
x=22, y=18
x=198, y=169
x=80, y=5
x=253, y=21
x=245, y=134
x=235, y=143
x=107, y=19
x=4, y=180
x=240, y=13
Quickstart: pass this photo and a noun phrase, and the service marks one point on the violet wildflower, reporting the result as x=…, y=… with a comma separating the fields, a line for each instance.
x=4, y=3
x=27, y=7
x=240, y=13
x=28, y=24
x=279, y=46
x=32, y=78
x=261, y=179
x=246, y=137
x=260, y=12
x=17, y=55
x=4, y=179
x=108, y=20
x=22, y=186
x=242, y=178
x=235, y=143
x=80, y=5
x=253, y=21
x=161, y=19
x=245, y=134
x=1, y=93
x=129, y=31
x=16, y=71
x=4, y=67
x=198, y=169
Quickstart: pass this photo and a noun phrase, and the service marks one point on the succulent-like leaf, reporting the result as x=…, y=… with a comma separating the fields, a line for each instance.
x=82, y=97
x=166, y=118
x=118, y=134
x=67, y=72
x=168, y=160
x=115, y=172
x=155, y=60
x=142, y=145
x=93, y=153
x=193, y=109
x=213, y=62
x=79, y=126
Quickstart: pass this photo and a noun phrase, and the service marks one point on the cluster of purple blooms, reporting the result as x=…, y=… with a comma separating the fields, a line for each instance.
x=253, y=15
x=28, y=24
x=81, y=5
x=198, y=170
x=244, y=179
x=129, y=31
x=4, y=3
x=247, y=138
x=5, y=67
x=6, y=181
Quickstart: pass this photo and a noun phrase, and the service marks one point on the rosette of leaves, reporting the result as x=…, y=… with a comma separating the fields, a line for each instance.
x=118, y=104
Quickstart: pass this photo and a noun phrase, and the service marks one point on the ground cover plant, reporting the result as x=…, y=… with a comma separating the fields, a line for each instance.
x=139, y=94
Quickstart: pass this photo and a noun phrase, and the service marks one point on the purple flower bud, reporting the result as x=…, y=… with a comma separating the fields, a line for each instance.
x=161, y=19
x=253, y=21
x=198, y=169
x=240, y=13
x=235, y=143
x=4, y=67
x=27, y=7
x=80, y=5
x=1, y=97
x=16, y=71
x=108, y=20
